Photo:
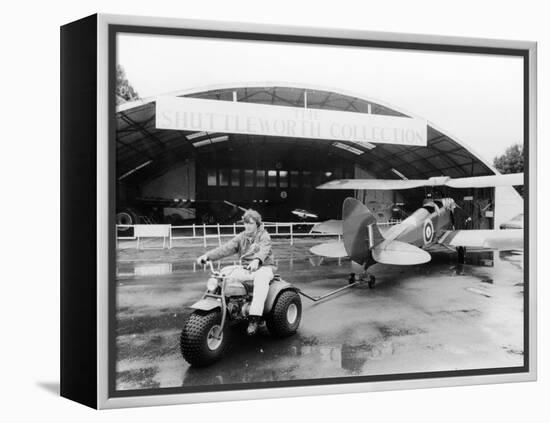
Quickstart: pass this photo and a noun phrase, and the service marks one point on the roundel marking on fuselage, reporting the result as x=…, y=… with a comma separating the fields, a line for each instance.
x=428, y=231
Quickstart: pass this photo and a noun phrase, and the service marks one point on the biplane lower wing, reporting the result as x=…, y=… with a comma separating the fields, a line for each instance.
x=509, y=239
x=332, y=227
x=334, y=249
x=399, y=253
x=387, y=252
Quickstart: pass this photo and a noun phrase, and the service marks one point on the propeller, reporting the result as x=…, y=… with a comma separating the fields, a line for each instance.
x=512, y=179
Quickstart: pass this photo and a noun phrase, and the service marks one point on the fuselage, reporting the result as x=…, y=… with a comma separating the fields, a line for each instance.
x=365, y=244
x=425, y=225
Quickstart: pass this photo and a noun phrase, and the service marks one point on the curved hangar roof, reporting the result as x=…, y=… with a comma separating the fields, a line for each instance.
x=144, y=151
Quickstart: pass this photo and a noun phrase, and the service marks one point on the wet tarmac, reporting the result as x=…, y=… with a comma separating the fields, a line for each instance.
x=433, y=317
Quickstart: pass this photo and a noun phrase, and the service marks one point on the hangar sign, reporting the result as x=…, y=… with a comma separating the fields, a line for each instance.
x=192, y=114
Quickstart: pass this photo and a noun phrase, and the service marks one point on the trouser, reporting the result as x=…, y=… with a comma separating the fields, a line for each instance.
x=261, y=278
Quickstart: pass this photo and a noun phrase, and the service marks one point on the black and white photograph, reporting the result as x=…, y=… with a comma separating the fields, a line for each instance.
x=296, y=210
x=291, y=212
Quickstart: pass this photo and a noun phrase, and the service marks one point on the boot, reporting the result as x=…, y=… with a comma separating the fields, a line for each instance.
x=253, y=322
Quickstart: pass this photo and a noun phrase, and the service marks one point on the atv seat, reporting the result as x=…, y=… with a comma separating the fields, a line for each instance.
x=249, y=285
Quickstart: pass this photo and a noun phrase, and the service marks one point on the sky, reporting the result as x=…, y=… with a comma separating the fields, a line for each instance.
x=476, y=99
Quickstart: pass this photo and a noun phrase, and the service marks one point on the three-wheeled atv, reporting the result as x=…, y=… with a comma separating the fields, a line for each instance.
x=225, y=302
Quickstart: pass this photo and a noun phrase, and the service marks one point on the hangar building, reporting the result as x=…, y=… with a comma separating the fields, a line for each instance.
x=171, y=175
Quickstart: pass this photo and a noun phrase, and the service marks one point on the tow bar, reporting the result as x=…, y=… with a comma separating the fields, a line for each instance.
x=336, y=291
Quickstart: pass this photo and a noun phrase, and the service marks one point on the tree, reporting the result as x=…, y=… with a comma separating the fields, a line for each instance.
x=124, y=91
x=511, y=161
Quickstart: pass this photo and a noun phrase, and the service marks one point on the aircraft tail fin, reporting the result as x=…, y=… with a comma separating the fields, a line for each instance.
x=360, y=230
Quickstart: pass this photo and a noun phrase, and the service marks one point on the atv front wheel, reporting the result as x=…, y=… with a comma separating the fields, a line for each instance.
x=203, y=340
x=285, y=316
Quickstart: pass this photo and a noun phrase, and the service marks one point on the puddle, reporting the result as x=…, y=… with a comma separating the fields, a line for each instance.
x=479, y=292
x=288, y=266
x=270, y=360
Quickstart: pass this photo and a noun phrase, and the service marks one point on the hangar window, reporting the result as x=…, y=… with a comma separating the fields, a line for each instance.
x=260, y=178
x=294, y=179
x=283, y=178
x=212, y=180
x=224, y=177
x=248, y=178
x=235, y=177
x=271, y=178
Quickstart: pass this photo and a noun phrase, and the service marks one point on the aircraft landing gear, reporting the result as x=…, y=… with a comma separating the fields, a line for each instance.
x=371, y=280
x=365, y=277
x=461, y=254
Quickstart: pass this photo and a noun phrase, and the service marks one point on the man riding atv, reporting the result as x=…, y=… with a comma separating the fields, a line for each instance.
x=253, y=247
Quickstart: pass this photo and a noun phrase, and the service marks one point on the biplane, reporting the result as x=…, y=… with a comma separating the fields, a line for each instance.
x=409, y=242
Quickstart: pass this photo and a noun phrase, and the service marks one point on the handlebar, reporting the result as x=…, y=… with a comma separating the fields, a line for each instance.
x=209, y=263
x=211, y=266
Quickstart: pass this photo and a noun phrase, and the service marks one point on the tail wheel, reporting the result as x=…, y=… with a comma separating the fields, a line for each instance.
x=203, y=340
x=285, y=316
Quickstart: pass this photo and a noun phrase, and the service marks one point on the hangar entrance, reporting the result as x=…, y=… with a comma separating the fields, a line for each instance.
x=274, y=183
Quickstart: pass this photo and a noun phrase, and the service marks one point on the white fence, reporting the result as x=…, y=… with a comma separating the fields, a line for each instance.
x=153, y=231
x=290, y=230
x=169, y=233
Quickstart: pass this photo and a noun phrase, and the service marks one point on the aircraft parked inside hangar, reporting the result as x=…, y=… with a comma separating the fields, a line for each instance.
x=304, y=214
x=430, y=226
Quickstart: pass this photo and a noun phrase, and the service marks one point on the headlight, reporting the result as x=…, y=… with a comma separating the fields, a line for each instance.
x=212, y=284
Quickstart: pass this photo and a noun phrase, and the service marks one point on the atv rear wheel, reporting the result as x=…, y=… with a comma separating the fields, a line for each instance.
x=285, y=316
x=201, y=342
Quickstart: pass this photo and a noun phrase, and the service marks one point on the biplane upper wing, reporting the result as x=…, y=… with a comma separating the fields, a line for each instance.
x=395, y=184
x=384, y=184
x=509, y=239
x=510, y=179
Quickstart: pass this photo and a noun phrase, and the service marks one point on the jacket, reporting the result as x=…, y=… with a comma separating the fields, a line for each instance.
x=247, y=247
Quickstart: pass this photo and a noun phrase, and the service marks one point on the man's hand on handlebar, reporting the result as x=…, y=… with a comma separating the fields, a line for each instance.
x=202, y=259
